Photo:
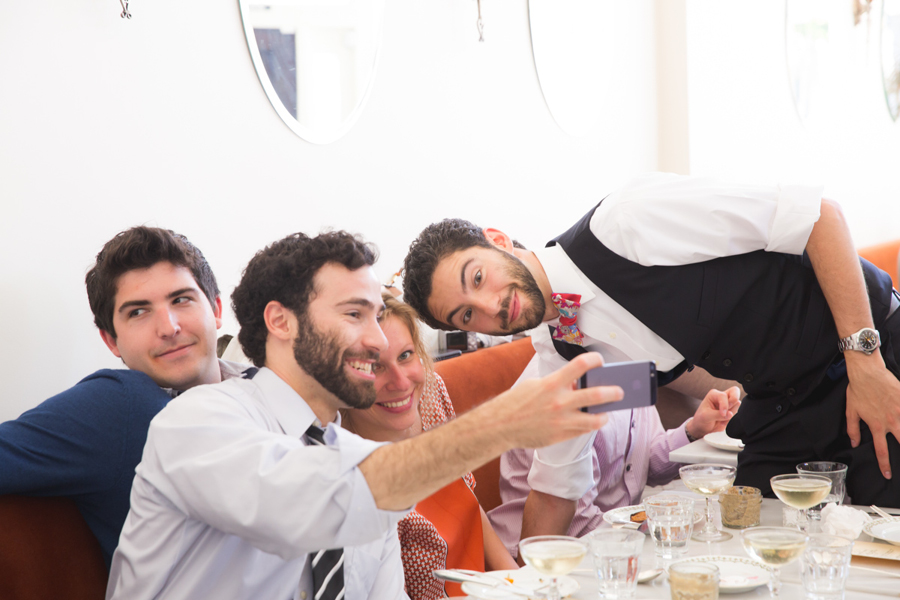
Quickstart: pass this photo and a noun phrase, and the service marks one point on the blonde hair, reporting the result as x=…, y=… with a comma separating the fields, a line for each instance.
x=394, y=308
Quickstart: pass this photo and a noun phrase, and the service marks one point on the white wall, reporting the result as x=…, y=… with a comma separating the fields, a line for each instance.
x=742, y=123
x=107, y=123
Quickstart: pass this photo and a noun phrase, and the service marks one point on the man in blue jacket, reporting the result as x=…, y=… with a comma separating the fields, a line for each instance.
x=156, y=303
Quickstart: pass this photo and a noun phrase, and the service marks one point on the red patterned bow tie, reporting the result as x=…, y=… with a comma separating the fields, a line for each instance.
x=567, y=331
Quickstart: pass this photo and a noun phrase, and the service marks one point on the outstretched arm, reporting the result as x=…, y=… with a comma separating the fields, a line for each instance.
x=535, y=413
x=874, y=393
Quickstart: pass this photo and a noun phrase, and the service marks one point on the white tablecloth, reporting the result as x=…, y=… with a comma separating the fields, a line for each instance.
x=861, y=585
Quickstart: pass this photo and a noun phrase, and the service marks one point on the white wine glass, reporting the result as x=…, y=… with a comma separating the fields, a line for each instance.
x=553, y=555
x=776, y=547
x=801, y=491
x=708, y=480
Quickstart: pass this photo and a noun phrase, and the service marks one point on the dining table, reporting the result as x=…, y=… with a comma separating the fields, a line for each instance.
x=862, y=584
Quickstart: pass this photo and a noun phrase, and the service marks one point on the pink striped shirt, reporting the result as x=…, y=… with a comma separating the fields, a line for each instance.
x=629, y=452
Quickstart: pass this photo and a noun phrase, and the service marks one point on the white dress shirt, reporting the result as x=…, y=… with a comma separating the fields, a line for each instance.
x=658, y=219
x=229, y=500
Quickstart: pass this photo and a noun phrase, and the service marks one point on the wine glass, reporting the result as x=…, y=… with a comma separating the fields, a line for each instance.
x=708, y=480
x=553, y=555
x=774, y=546
x=801, y=490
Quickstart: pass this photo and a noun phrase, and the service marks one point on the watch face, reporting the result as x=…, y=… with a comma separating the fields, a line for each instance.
x=868, y=340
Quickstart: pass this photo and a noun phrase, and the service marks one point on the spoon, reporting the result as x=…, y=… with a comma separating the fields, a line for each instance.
x=648, y=575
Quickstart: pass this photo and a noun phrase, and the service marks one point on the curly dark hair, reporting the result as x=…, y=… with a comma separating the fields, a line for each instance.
x=140, y=248
x=284, y=272
x=436, y=242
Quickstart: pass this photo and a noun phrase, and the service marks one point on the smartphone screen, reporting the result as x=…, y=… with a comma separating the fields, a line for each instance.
x=637, y=379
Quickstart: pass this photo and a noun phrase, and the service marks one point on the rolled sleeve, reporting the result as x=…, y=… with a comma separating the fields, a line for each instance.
x=797, y=211
x=564, y=470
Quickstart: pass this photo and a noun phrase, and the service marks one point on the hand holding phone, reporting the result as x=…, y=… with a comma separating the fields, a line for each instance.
x=637, y=379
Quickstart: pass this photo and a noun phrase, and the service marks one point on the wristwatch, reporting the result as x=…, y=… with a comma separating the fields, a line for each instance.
x=864, y=340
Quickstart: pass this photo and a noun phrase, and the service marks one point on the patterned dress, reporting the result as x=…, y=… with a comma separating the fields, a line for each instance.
x=423, y=547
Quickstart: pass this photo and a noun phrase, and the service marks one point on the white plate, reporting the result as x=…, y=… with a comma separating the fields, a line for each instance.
x=887, y=530
x=525, y=577
x=736, y=574
x=618, y=516
x=720, y=440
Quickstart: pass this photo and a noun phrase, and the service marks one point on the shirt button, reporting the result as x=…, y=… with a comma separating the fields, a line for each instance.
x=628, y=467
x=302, y=595
x=748, y=377
x=612, y=335
x=791, y=391
x=778, y=408
x=633, y=424
x=705, y=355
x=727, y=362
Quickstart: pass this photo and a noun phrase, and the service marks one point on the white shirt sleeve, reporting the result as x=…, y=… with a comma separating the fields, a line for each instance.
x=290, y=499
x=666, y=219
x=564, y=470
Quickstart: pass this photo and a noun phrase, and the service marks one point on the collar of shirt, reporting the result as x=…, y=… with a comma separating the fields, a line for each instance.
x=563, y=275
x=290, y=410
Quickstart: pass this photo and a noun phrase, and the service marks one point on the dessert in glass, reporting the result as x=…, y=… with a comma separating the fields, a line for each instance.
x=776, y=547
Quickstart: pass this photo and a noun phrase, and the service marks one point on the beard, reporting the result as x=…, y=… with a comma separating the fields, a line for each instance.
x=320, y=355
x=524, y=282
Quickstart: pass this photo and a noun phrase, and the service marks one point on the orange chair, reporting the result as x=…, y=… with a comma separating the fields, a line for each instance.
x=478, y=376
x=886, y=257
x=48, y=551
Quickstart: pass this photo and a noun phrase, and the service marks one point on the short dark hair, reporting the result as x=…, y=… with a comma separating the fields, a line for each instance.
x=140, y=248
x=284, y=272
x=436, y=242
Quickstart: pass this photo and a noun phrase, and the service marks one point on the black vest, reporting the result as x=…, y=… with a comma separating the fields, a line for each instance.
x=759, y=318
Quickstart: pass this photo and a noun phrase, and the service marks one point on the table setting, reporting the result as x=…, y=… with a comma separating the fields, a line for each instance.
x=702, y=538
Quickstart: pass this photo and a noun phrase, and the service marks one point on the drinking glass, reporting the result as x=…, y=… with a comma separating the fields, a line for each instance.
x=708, y=480
x=694, y=581
x=774, y=546
x=616, y=555
x=824, y=566
x=553, y=555
x=801, y=490
x=670, y=521
x=836, y=472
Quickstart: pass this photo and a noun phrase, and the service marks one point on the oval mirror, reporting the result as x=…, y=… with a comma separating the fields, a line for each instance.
x=571, y=41
x=315, y=59
x=890, y=55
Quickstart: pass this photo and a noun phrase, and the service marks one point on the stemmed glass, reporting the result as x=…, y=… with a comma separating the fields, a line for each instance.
x=553, y=555
x=708, y=480
x=774, y=546
x=801, y=490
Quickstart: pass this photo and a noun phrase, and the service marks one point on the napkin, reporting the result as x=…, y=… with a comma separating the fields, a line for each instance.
x=843, y=521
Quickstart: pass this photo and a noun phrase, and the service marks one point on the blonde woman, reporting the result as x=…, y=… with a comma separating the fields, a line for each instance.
x=449, y=529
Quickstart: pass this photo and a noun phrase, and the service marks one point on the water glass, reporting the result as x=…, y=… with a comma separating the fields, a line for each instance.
x=824, y=566
x=616, y=554
x=694, y=581
x=837, y=473
x=671, y=522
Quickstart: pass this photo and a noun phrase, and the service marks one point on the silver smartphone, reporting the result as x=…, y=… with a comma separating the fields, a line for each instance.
x=637, y=379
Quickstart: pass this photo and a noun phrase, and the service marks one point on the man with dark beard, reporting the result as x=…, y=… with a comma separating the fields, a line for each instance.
x=752, y=283
x=249, y=489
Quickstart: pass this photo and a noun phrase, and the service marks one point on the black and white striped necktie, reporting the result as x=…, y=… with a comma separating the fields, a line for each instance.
x=327, y=565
